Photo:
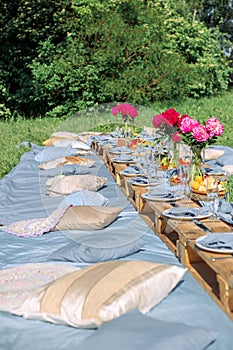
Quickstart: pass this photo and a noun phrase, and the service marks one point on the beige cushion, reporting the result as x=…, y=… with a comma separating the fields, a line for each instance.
x=71, y=143
x=65, y=135
x=102, y=292
x=51, y=140
x=87, y=218
x=228, y=169
x=212, y=153
x=67, y=160
x=73, y=183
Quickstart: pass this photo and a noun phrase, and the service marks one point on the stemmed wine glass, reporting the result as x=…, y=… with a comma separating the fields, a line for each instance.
x=212, y=188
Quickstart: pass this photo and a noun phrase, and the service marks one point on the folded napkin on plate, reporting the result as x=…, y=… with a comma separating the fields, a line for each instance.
x=124, y=157
x=121, y=149
x=132, y=170
x=184, y=212
x=218, y=240
x=140, y=180
x=188, y=212
x=161, y=192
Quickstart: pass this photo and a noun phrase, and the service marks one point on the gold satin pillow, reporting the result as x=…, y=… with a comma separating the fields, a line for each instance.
x=87, y=218
x=101, y=292
x=51, y=140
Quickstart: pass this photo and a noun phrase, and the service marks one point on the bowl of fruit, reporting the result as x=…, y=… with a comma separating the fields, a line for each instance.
x=198, y=187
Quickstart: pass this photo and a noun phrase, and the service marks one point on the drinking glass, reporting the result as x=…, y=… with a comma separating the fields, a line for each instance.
x=152, y=174
x=212, y=184
x=184, y=178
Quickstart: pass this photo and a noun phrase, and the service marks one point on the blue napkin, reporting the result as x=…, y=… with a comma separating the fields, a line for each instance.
x=218, y=240
x=188, y=212
x=121, y=149
x=132, y=170
x=225, y=210
x=160, y=193
x=140, y=180
x=124, y=157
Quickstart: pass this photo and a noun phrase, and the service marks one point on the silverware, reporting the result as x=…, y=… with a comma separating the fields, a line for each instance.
x=222, y=258
x=202, y=226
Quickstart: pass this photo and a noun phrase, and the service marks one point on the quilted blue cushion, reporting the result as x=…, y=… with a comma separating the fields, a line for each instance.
x=99, y=247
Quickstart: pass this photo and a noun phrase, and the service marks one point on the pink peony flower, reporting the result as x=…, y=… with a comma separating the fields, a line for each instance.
x=200, y=133
x=126, y=110
x=214, y=127
x=176, y=137
x=159, y=121
x=188, y=124
x=171, y=115
x=181, y=118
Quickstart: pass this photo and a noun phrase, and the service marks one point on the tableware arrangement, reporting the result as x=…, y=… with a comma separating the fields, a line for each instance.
x=124, y=158
x=218, y=242
x=142, y=181
x=162, y=194
x=185, y=213
x=120, y=150
x=132, y=171
x=155, y=198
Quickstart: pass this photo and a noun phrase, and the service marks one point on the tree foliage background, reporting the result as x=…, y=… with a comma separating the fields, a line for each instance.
x=60, y=56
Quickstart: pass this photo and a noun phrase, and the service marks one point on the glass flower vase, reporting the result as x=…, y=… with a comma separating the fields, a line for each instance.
x=196, y=165
x=197, y=172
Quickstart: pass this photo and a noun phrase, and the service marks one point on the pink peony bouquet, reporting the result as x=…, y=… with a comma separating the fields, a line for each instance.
x=197, y=135
x=183, y=127
x=127, y=111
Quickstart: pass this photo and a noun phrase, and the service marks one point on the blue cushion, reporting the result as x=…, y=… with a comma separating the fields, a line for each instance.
x=135, y=331
x=51, y=153
x=67, y=169
x=99, y=247
x=84, y=197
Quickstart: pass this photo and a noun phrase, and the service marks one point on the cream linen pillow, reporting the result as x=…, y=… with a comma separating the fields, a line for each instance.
x=71, y=143
x=51, y=140
x=212, y=153
x=88, y=163
x=228, y=169
x=65, y=135
x=87, y=218
x=101, y=292
x=73, y=183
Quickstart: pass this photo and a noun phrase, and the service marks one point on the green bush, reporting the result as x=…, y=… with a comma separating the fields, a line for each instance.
x=64, y=56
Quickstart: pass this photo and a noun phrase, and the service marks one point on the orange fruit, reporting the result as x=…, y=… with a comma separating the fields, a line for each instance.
x=194, y=184
x=198, y=178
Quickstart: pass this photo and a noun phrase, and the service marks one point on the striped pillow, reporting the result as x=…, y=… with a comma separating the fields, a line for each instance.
x=101, y=292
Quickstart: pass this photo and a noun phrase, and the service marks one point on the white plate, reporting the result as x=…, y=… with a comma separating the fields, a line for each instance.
x=160, y=199
x=131, y=175
x=118, y=160
x=120, y=152
x=215, y=250
x=144, y=185
x=176, y=217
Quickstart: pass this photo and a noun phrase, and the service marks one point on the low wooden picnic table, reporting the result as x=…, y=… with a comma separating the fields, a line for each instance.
x=213, y=271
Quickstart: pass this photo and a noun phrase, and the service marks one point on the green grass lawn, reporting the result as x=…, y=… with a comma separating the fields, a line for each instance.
x=13, y=132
